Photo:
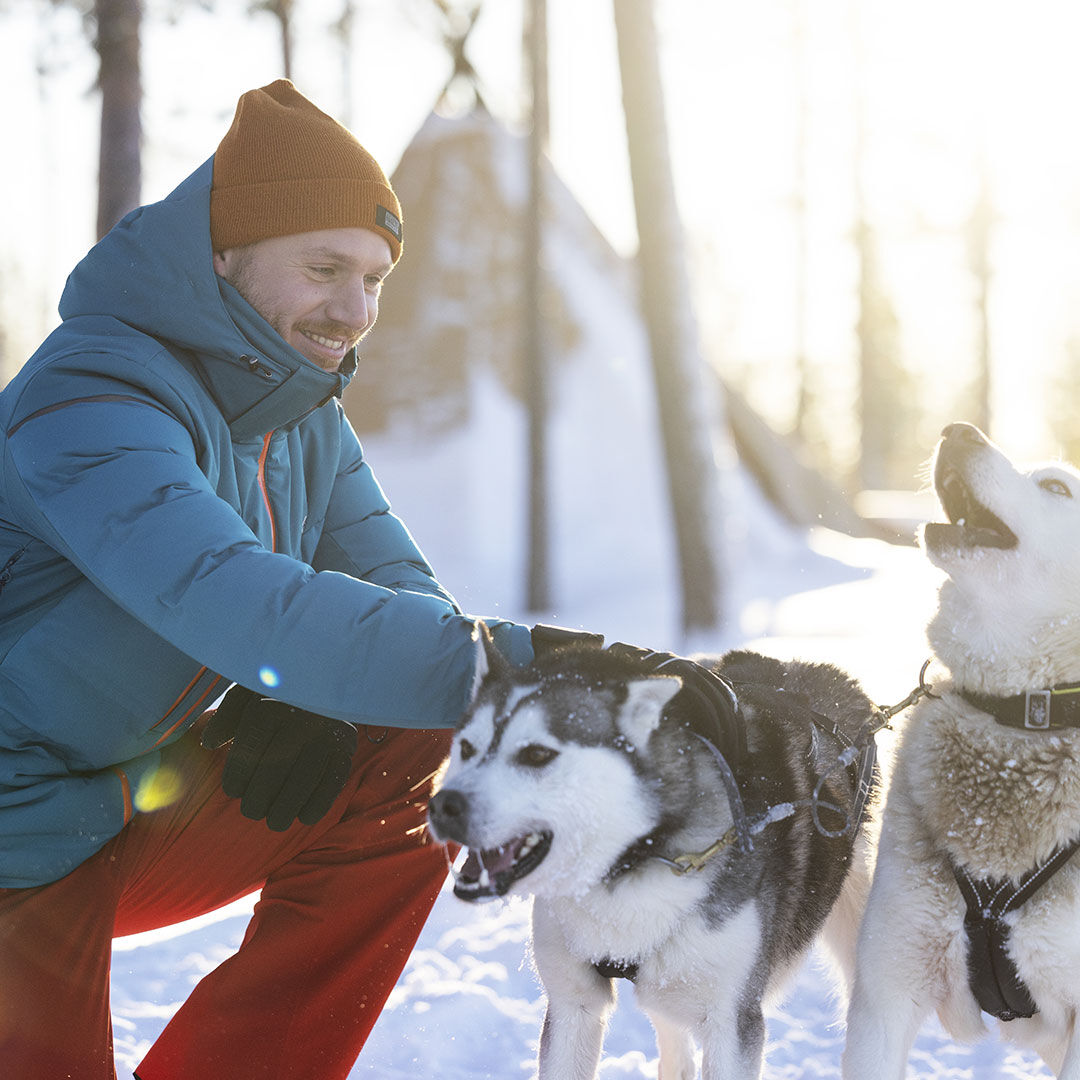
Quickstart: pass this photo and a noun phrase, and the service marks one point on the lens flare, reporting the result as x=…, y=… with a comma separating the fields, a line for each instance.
x=157, y=790
x=269, y=677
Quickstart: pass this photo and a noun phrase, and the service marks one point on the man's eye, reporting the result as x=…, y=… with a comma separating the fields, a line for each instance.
x=373, y=284
x=322, y=271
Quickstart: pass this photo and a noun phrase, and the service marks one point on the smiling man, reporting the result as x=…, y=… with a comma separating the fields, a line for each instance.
x=184, y=508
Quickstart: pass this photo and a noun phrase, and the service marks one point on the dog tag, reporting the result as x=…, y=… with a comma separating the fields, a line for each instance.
x=1037, y=710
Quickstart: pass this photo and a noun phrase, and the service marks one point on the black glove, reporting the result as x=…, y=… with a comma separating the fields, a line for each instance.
x=284, y=763
x=549, y=639
x=707, y=699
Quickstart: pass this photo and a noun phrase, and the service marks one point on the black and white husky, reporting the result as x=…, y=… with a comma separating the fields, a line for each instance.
x=703, y=873
x=975, y=904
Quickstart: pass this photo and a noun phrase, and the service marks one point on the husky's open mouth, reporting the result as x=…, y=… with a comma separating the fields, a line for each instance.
x=491, y=872
x=970, y=524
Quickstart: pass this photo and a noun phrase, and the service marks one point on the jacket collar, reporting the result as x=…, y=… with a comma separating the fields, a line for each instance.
x=277, y=386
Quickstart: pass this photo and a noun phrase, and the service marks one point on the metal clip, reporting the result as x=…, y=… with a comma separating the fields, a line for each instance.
x=1037, y=710
x=694, y=861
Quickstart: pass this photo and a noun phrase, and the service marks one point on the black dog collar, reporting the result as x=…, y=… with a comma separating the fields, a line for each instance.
x=1033, y=710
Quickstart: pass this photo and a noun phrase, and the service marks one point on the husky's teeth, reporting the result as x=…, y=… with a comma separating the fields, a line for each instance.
x=529, y=843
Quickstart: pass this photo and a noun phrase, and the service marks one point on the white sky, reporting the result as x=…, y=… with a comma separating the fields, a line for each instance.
x=941, y=78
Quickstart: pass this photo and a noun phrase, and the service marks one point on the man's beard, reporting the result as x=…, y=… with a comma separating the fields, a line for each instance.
x=245, y=279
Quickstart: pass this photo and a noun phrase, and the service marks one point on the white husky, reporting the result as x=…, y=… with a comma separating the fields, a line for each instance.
x=985, y=789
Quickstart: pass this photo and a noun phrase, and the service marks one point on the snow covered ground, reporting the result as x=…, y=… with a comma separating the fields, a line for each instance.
x=468, y=1006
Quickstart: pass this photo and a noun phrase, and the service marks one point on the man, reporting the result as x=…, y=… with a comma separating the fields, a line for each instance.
x=183, y=506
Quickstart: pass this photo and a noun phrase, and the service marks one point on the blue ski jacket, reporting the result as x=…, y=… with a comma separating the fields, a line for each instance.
x=184, y=505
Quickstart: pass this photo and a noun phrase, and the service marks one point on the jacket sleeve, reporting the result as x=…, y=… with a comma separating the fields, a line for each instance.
x=111, y=481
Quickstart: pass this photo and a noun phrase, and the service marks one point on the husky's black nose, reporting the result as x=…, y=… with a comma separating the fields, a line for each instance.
x=448, y=813
x=963, y=433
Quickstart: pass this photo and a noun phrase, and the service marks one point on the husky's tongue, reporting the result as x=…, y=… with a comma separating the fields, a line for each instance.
x=490, y=861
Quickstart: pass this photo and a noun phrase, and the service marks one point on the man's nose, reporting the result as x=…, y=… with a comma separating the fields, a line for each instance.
x=353, y=306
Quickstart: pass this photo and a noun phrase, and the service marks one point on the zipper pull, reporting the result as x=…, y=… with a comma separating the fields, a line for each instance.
x=256, y=367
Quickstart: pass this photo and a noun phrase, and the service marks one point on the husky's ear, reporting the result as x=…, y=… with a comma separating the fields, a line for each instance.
x=645, y=700
x=489, y=661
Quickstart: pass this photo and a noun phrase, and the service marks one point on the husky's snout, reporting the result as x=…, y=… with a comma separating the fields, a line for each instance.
x=968, y=478
x=959, y=441
x=962, y=433
x=448, y=815
x=487, y=871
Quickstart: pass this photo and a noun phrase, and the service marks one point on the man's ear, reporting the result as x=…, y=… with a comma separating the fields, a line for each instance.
x=639, y=715
x=221, y=263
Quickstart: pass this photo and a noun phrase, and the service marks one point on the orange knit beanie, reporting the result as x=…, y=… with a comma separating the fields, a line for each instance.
x=286, y=167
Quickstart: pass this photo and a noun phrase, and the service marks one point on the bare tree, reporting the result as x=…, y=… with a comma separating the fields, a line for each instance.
x=463, y=84
x=114, y=28
x=535, y=352
x=979, y=236
x=885, y=404
x=888, y=407
x=345, y=32
x=118, y=28
x=802, y=221
x=688, y=422
x=283, y=11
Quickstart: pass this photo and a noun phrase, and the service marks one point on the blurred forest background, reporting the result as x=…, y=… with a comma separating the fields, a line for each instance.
x=842, y=223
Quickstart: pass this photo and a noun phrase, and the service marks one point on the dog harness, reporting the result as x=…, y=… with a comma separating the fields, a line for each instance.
x=992, y=975
x=858, y=758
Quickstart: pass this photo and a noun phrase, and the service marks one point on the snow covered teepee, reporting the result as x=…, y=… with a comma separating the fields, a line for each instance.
x=438, y=396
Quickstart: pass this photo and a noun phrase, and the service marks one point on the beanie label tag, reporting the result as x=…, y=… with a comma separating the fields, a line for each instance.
x=388, y=221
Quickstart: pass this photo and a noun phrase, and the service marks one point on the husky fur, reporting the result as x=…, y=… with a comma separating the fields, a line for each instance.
x=566, y=779
x=994, y=800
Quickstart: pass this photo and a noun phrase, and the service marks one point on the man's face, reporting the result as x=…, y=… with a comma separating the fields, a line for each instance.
x=318, y=290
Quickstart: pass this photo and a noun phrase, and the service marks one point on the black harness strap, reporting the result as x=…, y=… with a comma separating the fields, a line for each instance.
x=992, y=974
x=616, y=969
x=859, y=754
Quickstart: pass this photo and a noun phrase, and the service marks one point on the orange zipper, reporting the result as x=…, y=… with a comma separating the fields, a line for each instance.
x=201, y=698
x=183, y=693
x=125, y=788
x=265, y=493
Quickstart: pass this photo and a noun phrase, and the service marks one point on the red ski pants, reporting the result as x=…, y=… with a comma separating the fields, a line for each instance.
x=342, y=904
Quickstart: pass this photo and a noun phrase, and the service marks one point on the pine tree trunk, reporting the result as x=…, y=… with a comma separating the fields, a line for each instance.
x=538, y=586
x=120, y=80
x=980, y=231
x=283, y=10
x=688, y=421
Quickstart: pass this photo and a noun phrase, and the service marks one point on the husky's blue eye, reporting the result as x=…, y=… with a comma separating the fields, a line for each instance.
x=466, y=749
x=1055, y=487
x=535, y=756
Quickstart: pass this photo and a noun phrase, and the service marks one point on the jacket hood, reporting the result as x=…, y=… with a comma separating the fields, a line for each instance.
x=154, y=272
